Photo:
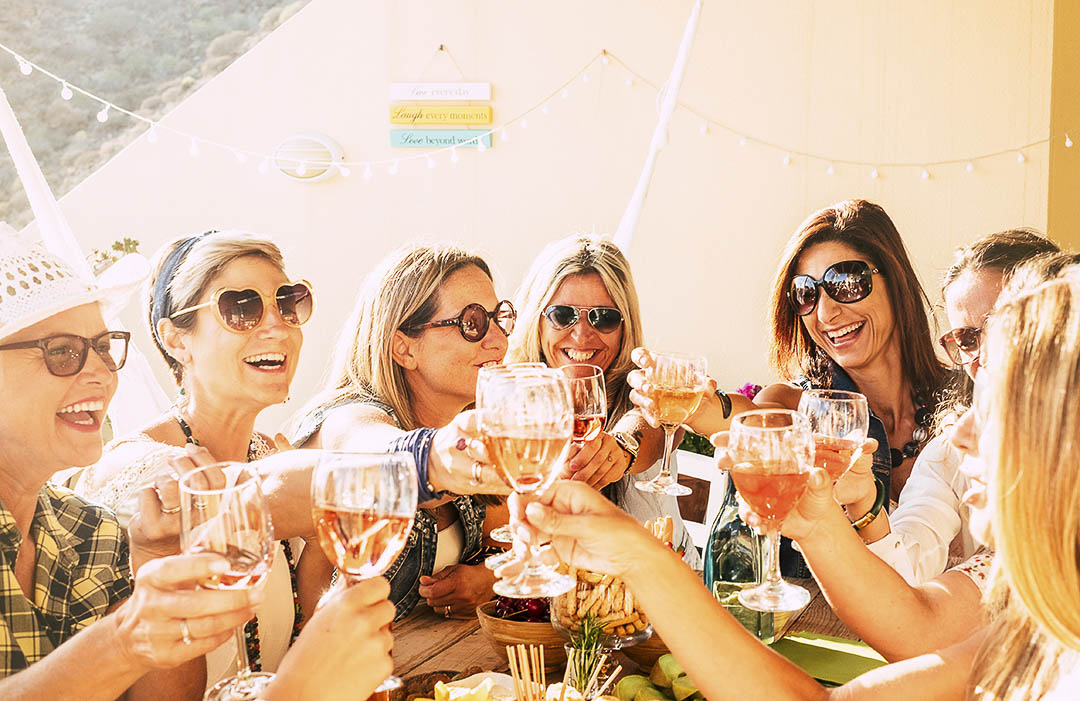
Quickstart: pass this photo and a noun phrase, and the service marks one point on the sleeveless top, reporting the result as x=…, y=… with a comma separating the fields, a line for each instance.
x=418, y=558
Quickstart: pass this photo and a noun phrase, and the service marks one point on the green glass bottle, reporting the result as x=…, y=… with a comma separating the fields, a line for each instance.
x=733, y=561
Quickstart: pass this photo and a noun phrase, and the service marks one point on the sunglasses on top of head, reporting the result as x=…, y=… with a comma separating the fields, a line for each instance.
x=65, y=354
x=962, y=344
x=847, y=282
x=474, y=321
x=242, y=310
x=603, y=319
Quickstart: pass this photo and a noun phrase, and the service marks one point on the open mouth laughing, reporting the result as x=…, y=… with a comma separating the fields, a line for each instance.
x=580, y=356
x=845, y=334
x=86, y=414
x=266, y=362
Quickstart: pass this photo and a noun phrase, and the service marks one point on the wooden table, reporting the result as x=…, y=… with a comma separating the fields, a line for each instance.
x=427, y=642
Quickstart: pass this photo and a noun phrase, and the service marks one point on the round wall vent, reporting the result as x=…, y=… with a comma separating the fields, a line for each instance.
x=309, y=157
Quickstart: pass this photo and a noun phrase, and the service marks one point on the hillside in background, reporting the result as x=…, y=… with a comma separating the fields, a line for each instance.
x=143, y=55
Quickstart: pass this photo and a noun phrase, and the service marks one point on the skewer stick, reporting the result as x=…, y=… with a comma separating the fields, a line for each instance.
x=511, y=656
x=543, y=670
x=610, y=679
x=595, y=674
x=566, y=676
x=535, y=659
x=523, y=663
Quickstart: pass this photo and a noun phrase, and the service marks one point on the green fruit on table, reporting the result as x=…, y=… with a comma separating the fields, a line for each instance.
x=666, y=670
x=630, y=685
x=651, y=693
x=683, y=688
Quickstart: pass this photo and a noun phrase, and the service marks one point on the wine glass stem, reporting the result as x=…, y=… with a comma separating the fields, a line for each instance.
x=665, y=462
x=772, y=572
x=243, y=665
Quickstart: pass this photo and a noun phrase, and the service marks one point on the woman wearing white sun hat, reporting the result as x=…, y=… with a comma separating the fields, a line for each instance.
x=70, y=621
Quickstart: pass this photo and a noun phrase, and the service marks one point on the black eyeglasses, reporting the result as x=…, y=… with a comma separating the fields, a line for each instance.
x=962, y=344
x=474, y=320
x=847, y=282
x=65, y=355
x=603, y=319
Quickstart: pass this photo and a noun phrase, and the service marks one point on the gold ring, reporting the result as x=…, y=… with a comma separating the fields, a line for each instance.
x=446, y=611
x=173, y=510
x=185, y=632
x=477, y=472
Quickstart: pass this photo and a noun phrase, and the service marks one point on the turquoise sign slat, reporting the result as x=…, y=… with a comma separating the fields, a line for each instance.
x=437, y=138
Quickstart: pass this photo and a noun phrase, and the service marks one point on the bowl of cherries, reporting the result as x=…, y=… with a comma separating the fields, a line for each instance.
x=508, y=621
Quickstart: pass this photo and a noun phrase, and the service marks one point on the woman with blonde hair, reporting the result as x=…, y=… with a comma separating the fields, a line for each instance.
x=1022, y=449
x=405, y=369
x=578, y=304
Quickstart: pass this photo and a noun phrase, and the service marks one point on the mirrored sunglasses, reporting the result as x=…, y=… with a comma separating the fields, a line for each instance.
x=242, y=310
x=474, y=320
x=962, y=344
x=603, y=319
x=66, y=354
x=847, y=282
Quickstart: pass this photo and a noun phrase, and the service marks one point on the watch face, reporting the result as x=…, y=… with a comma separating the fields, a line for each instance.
x=627, y=441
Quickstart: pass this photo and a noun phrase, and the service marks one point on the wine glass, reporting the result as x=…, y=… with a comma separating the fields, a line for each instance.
x=527, y=420
x=223, y=510
x=364, y=504
x=839, y=421
x=771, y=453
x=678, y=382
x=590, y=400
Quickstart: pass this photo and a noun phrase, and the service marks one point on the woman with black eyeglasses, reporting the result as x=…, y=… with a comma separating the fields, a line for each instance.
x=578, y=304
x=403, y=373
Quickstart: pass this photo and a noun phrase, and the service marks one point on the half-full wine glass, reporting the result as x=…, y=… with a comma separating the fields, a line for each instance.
x=839, y=421
x=364, y=504
x=678, y=382
x=589, y=395
x=527, y=420
x=223, y=511
x=771, y=453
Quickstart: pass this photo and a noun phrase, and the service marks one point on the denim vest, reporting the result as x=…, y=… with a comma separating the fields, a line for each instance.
x=418, y=558
x=792, y=563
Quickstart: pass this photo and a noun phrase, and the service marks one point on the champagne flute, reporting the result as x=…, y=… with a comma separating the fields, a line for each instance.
x=527, y=419
x=364, y=504
x=678, y=382
x=839, y=421
x=223, y=510
x=771, y=452
x=589, y=395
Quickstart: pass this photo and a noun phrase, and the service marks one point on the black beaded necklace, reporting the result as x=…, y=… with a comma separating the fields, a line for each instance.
x=251, y=629
x=924, y=415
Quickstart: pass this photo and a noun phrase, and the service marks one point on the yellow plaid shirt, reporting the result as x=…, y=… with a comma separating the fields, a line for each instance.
x=81, y=569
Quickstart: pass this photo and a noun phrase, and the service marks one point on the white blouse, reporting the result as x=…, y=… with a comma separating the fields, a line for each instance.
x=930, y=515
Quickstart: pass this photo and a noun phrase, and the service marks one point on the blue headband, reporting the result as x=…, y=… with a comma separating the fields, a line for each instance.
x=161, y=301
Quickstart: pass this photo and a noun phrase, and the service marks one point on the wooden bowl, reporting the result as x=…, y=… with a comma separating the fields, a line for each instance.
x=501, y=632
x=646, y=653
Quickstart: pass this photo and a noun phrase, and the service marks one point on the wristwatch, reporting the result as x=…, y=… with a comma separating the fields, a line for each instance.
x=628, y=443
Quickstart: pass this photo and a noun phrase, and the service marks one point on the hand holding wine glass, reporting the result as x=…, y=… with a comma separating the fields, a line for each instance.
x=677, y=383
x=230, y=518
x=839, y=421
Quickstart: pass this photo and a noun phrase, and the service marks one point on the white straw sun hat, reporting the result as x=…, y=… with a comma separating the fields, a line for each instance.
x=35, y=284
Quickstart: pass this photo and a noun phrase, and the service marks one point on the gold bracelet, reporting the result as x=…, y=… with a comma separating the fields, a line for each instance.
x=869, y=516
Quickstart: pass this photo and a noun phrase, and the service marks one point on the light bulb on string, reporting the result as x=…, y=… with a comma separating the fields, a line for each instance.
x=787, y=159
x=704, y=128
x=430, y=162
x=874, y=173
x=1020, y=158
x=585, y=78
x=565, y=94
x=503, y=134
x=151, y=133
x=629, y=82
x=1068, y=141
x=393, y=169
x=480, y=145
x=264, y=166
x=24, y=67
x=344, y=170
x=65, y=92
x=524, y=123
x=831, y=170
x=454, y=157
x=925, y=174
x=368, y=173
x=742, y=142
x=103, y=115
x=969, y=167
x=605, y=60
x=240, y=156
x=193, y=148
x=545, y=109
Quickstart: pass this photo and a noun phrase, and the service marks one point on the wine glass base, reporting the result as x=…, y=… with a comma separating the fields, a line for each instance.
x=389, y=684
x=778, y=598
x=535, y=583
x=248, y=687
x=501, y=560
x=502, y=534
x=672, y=488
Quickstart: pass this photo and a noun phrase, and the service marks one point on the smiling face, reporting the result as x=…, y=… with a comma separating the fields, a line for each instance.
x=50, y=423
x=252, y=369
x=580, y=343
x=854, y=335
x=969, y=299
x=441, y=366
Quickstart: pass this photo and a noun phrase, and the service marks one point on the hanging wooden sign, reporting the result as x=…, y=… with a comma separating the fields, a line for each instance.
x=438, y=138
x=439, y=91
x=440, y=114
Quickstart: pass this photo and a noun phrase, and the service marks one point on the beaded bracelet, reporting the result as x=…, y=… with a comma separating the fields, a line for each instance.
x=418, y=444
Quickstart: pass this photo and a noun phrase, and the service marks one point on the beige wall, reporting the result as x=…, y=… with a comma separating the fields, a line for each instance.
x=855, y=80
x=1063, y=209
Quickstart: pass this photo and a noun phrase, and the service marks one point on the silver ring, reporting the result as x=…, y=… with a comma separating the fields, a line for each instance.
x=446, y=611
x=173, y=510
x=185, y=632
x=477, y=472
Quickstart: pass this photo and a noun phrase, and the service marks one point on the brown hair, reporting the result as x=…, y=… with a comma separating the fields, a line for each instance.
x=865, y=227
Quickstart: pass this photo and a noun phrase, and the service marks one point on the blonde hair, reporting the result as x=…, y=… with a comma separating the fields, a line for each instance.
x=580, y=254
x=208, y=256
x=399, y=295
x=1033, y=362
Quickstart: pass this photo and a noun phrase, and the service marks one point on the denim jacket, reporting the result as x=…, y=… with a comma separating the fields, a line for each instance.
x=418, y=558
